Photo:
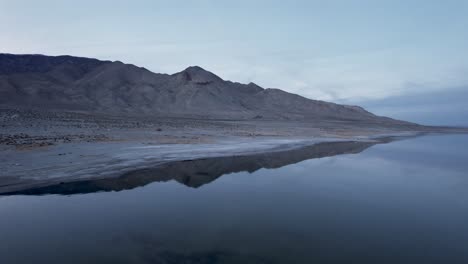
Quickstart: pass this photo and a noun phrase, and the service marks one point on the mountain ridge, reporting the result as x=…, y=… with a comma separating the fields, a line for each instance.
x=76, y=83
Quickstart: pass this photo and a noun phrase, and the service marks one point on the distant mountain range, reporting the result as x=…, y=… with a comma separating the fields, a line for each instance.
x=112, y=87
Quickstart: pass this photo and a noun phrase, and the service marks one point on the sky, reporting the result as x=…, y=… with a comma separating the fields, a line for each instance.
x=396, y=58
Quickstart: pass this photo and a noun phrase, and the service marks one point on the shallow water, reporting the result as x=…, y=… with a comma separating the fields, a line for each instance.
x=401, y=202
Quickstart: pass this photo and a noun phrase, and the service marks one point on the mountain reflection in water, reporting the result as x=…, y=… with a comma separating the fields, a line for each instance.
x=195, y=173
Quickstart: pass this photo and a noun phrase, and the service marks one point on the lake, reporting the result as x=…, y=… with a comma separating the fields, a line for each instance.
x=405, y=201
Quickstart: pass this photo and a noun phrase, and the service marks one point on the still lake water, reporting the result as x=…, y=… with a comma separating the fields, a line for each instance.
x=401, y=202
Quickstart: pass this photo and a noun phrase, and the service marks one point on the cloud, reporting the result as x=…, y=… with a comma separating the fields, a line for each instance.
x=440, y=107
x=351, y=77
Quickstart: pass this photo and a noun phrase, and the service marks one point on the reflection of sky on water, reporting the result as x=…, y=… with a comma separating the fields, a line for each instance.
x=401, y=202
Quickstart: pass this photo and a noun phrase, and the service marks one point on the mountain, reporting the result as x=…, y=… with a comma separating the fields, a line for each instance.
x=112, y=87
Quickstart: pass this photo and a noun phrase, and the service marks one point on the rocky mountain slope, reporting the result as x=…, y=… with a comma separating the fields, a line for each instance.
x=94, y=86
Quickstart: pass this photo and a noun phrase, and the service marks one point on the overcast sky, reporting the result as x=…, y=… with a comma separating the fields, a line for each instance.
x=358, y=52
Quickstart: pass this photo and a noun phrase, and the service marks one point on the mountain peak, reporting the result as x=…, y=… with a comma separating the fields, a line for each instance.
x=198, y=75
x=195, y=68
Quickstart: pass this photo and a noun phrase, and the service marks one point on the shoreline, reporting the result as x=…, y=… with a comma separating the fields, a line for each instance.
x=72, y=162
x=41, y=148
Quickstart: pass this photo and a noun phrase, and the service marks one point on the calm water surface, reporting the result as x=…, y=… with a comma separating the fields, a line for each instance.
x=401, y=202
